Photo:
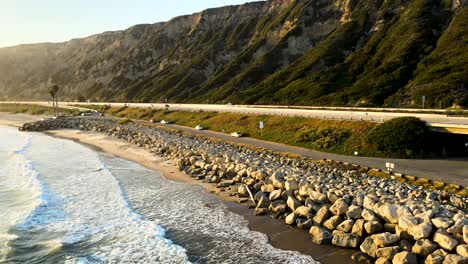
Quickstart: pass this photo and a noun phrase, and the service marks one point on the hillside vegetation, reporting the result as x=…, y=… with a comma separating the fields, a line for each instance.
x=296, y=52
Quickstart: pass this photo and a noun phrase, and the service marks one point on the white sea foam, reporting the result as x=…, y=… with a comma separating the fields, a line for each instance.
x=213, y=234
x=20, y=189
x=86, y=203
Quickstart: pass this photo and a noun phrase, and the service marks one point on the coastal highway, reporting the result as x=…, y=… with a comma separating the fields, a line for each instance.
x=449, y=171
x=435, y=117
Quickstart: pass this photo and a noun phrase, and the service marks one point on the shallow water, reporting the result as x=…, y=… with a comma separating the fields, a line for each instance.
x=62, y=202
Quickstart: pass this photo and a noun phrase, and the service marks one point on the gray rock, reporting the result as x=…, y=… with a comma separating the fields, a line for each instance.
x=346, y=226
x=317, y=197
x=320, y=235
x=277, y=179
x=465, y=234
x=260, y=211
x=340, y=207
x=291, y=185
x=405, y=257
x=369, y=247
x=278, y=206
x=290, y=219
x=405, y=245
x=368, y=215
x=362, y=258
x=424, y=247
x=383, y=261
x=333, y=222
x=455, y=259
x=342, y=239
x=225, y=183
x=457, y=227
x=268, y=188
x=307, y=224
x=392, y=212
x=385, y=239
x=322, y=215
x=275, y=195
x=293, y=203
x=434, y=259
x=462, y=250
x=442, y=222
x=415, y=226
x=358, y=228
x=387, y=252
x=444, y=240
x=373, y=227
x=354, y=212
x=303, y=211
x=264, y=202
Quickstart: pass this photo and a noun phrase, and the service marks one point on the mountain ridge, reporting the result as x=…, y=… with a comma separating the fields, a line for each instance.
x=324, y=52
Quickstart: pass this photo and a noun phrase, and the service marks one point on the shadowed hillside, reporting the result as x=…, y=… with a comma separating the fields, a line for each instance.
x=317, y=52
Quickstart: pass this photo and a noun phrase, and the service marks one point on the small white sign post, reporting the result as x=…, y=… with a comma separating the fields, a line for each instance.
x=261, y=126
x=390, y=166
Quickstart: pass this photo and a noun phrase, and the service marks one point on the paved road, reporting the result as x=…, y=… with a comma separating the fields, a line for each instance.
x=450, y=171
x=344, y=113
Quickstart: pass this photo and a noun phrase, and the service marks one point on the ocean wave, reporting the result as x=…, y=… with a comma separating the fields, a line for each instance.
x=88, y=212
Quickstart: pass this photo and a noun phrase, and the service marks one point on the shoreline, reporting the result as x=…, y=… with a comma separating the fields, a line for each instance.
x=279, y=235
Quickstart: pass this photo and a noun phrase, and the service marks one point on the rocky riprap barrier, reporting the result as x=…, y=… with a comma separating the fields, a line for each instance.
x=390, y=222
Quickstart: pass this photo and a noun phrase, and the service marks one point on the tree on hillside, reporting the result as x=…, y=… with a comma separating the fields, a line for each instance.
x=53, y=93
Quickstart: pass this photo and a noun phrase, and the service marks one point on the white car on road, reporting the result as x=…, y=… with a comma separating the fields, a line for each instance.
x=236, y=134
x=199, y=127
x=164, y=122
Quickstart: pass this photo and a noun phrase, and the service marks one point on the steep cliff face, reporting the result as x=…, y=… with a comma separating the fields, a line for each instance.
x=334, y=52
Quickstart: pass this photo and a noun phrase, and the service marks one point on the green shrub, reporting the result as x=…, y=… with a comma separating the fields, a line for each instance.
x=124, y=121
x=405, y=136
x=324, y=138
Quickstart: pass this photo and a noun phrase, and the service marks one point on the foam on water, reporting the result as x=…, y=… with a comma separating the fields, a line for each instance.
x=20, y=189
x=84, y=213
x=210, y=234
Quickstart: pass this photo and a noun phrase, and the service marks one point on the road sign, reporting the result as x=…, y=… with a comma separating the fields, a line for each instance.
x=261, y=125
x=390, y=166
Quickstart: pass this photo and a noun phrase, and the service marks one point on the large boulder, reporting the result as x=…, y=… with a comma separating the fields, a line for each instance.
x=317, y=196
x=387, y=252
x=275, y=195
x=354, y=212
x=342, y=239
x=333, y=222
x=277, y=179
x=369, y=247
x=393, y=212
x=424, y=247
x=320, y=235
x=385, y=239
x=444, y=240
x=291, y=185
x=417, y=227
x=322, y=215
x=455, y=259
x=293, y=203
x=358, y=228
x=442, y=222
x=340, y=207
x=465, y=234
x=462, y=250
x=290, y=219
x=303, y=211
x=346, y=226
x=373, y=227
x=405, y=257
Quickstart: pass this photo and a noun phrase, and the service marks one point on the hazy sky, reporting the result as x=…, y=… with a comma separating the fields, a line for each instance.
x=33, y=21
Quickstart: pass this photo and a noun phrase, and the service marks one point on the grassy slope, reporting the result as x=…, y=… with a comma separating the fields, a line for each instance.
x=441, y=75
x=279, y=129
x=34, y=109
